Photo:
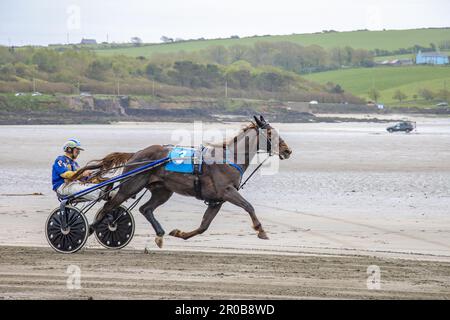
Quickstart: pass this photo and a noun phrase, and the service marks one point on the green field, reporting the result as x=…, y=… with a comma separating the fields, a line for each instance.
x=387, y=80
x=387, y=40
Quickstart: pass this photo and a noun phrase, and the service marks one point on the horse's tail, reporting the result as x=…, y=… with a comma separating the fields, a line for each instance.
x=110, y=162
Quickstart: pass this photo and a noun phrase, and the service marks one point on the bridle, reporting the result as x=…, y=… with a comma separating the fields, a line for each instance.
x=260, y=132
x=268, y=151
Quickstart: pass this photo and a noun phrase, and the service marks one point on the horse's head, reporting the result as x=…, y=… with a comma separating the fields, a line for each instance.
x=284, y=152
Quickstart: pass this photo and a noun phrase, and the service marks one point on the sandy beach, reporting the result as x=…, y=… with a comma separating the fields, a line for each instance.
x=30, y=273
x=352, y=195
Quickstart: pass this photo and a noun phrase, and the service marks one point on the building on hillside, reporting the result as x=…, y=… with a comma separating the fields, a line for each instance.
x=431, y=58
x=88, y=41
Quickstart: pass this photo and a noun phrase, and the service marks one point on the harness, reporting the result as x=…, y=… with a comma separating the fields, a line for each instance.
x=236, y=166
x=197, y=161
x=268, y=151
x=197, y=172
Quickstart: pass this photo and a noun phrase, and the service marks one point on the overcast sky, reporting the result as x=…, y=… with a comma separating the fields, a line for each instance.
x=46, y=21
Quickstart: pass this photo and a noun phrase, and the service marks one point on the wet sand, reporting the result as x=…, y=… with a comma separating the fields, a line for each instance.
x=30, y=273
x=350, y=190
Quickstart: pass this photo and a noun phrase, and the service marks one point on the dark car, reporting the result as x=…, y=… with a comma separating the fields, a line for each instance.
x=405, y=126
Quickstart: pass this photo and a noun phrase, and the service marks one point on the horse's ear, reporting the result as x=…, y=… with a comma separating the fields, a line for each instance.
x=262, y=119
x=258, y=122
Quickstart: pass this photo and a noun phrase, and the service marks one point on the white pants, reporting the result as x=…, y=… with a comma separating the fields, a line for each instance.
x=67, y=189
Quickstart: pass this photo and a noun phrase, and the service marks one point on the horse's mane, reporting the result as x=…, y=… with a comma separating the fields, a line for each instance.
x=226, y=142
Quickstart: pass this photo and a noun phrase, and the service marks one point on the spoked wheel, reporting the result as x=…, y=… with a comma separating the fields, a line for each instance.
x=116, y=229
x=67, y=231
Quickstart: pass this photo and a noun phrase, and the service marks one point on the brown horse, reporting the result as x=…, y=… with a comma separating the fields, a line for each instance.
x=219, y=180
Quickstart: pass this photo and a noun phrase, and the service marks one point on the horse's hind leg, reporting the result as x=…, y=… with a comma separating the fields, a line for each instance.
x=126, y=190
x=208, y=217
x=233, y=196
x=116, y=201
x=159, y=197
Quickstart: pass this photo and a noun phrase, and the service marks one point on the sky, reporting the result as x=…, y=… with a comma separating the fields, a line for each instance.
x=43, y=22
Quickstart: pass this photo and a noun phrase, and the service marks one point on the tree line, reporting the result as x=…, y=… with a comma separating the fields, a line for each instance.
x=284, y=55
x=443, y=45
x=75, y=70
x=425, y=93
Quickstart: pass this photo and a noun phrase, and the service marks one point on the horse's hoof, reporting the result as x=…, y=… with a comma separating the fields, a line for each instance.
x=159, y=241
x=263, y=235
x=175, y=233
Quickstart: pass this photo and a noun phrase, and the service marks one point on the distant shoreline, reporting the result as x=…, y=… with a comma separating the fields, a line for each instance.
x=108, y=120
x=45, y=119
x=104, y=110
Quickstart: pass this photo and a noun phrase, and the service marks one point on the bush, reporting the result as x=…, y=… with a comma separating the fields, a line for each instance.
x=374, y=94
x=47, y=60
x=444, y=95
x=24, y=71
x=8, y=72
x=99, y=69
x=334, y=88
x=426, y=94
x=399, y=95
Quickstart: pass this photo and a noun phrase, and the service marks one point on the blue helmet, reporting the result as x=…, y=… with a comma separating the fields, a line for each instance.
x=72, y=143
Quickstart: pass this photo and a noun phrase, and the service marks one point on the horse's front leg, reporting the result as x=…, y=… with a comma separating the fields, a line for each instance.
x=159, y=197
x=233, y=196
x=208, y=217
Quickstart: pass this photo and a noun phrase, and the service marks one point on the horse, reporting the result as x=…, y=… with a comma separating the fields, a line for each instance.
x=219, y=180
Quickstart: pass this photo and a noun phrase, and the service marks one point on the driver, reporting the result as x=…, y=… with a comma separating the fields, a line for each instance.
x=65, y=167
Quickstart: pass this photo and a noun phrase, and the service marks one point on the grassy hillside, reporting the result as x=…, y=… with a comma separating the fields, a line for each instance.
x=387, y=40
x=388, y=80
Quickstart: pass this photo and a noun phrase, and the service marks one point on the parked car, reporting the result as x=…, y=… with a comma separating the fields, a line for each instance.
x=442, y=104
x=34, y=94
x=404, y=126
x=18, y=94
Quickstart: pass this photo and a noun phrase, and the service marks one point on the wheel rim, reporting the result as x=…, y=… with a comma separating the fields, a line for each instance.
x=116, y=229
x=70, y=238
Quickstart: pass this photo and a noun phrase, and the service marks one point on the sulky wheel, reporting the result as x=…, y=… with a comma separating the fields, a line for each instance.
x=116, y=229
x=67, y=231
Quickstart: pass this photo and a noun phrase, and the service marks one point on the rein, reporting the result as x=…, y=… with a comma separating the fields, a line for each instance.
x=100, y=172
x=130, y=164
x=253, y=172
